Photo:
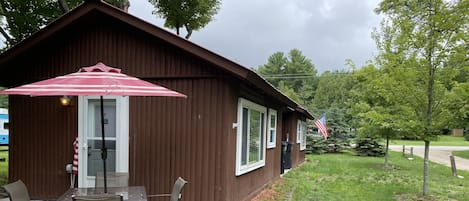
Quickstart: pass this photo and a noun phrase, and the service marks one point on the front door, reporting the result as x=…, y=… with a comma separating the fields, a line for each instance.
x=90, y=137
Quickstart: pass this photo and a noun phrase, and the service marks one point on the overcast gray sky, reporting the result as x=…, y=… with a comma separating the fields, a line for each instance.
x=248, y=32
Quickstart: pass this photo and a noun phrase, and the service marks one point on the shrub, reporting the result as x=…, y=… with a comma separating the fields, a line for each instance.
x=315, y=145
x=336, y=145
x=466, y=135
x=369, y=146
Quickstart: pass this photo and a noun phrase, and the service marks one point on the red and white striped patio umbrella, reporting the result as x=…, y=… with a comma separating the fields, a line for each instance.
x=98, y=80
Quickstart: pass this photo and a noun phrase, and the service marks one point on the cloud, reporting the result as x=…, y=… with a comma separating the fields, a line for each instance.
x=248, y=32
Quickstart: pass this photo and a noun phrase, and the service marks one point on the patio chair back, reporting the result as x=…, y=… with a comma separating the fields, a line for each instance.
x=114, y=179
x=101, y=197
x=17, y=191
x=176, y=194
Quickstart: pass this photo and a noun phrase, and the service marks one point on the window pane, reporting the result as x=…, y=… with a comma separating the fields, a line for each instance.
x=254, y=135
x=273, y=121
x=244, y=140
x=272, y=135
x=261, y=154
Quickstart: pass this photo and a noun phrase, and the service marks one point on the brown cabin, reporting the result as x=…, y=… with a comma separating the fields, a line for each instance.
x=203, y=138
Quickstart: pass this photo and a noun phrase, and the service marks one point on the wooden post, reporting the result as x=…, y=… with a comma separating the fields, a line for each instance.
x=403, y=150
x=453, y=165
x=411, y=153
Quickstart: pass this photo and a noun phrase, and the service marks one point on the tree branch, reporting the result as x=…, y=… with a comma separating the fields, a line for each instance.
x=63, y=6
x=6, y=36
x=189, y=32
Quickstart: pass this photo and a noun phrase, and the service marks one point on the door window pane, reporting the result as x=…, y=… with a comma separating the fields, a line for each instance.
x=94, y=140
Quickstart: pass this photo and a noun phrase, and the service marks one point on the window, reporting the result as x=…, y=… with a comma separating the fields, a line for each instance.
x=272, y=132
x=301, y=134
x=250, y=153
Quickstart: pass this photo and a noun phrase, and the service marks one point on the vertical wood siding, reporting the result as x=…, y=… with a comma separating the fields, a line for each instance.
x=41, y=137
x=180, y=137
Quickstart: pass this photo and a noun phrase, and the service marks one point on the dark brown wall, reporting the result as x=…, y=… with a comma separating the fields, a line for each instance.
x=246, y=186
x=41, y=137
x=169, y=137
x=180, y=137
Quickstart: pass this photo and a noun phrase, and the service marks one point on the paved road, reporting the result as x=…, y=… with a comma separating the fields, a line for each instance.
x=439, y=154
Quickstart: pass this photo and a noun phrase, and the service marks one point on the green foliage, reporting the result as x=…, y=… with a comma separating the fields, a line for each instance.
x=3, y=100
x=420, y=43
x=338, y=177
x=336, y=144
x=332, y=99
x=457, y=103
x=191, y=14
x=4, y=165
x=466, y=136
x=294, y=75
x=369, y=146
x=333, y=90
x=315, y=145
x=462, y=154
x=23, y=18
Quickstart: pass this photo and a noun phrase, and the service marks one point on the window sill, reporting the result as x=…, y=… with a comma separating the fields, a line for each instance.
x=250, y=168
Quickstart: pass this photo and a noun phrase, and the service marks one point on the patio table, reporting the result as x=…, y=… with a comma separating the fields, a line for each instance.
x=130, y=193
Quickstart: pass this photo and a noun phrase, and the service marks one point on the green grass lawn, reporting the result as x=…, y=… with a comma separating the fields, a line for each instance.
x=462, y=154
x=342, y=177
x=4, y=165
x=443, y=140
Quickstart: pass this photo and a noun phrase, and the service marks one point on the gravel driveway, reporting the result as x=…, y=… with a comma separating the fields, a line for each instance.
x=439, y=154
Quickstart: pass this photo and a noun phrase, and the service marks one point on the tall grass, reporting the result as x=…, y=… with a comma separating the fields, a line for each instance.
x=4, y=165
x=443, y=140
x=462, y=154
x=342, y=177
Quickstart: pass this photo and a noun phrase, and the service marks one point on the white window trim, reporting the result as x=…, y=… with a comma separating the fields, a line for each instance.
x=272, y=144
x=243, y=169
x=122, y=159
x=298, y=131
x=301, y=134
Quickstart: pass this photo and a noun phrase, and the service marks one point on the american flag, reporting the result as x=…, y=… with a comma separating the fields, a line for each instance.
x=322, y=126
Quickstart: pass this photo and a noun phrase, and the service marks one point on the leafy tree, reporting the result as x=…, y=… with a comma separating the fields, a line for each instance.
x=315, y=145
x=369, y=146
x=190, y=14
x=23, y=18
x=3, y=100
x=379, y=106
x=332, y=98
x=418, y=38
x=294, y=75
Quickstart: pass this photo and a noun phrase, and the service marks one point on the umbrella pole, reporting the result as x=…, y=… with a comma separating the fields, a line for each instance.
x=103, y=145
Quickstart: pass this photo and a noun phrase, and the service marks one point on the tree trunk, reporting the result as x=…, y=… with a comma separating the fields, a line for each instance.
x=63, y=6
x=386, y=156
x=425, y=168
x=189, y=32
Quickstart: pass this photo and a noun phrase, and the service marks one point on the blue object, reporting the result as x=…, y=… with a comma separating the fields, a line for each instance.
x=4, y=129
